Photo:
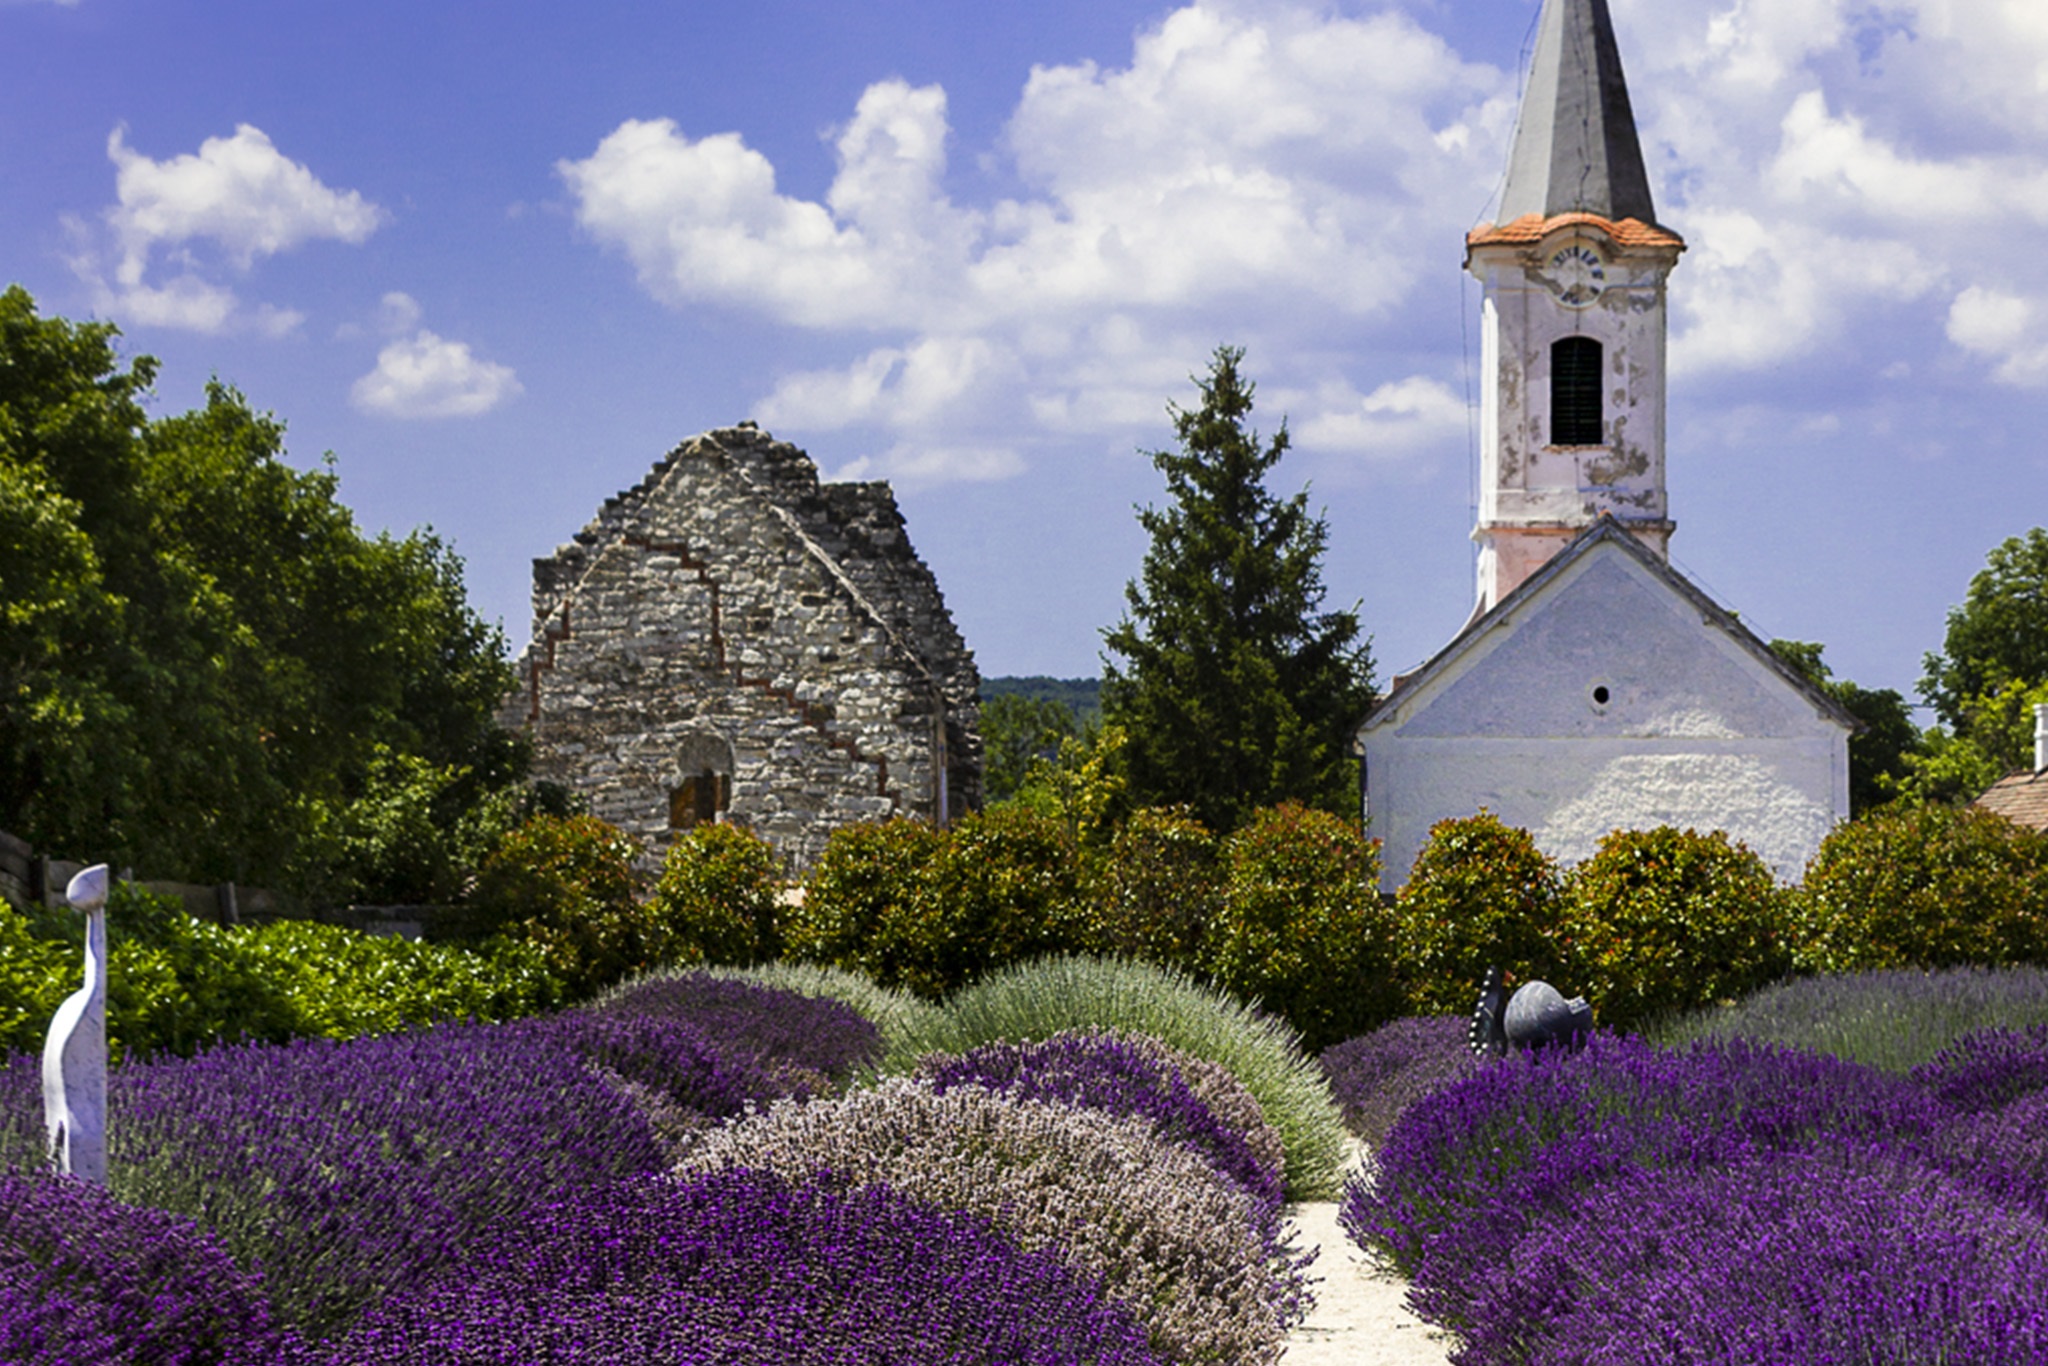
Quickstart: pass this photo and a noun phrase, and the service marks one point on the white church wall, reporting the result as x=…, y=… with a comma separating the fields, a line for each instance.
x=1605, y=701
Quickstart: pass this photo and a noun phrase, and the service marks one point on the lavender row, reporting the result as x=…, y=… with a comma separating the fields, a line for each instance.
x=1727, y=1201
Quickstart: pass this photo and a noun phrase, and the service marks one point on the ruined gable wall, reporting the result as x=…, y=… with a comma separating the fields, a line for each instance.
x=694, y=610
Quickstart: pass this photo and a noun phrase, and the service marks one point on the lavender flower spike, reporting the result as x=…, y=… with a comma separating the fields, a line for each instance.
x=75, y=1058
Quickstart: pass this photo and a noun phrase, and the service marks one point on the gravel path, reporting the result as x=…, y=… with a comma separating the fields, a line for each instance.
x=1359, y=1318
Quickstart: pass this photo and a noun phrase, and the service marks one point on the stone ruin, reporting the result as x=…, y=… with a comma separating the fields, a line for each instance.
x=732, y=640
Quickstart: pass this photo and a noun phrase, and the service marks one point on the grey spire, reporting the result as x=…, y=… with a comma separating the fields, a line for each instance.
x=1575, y=145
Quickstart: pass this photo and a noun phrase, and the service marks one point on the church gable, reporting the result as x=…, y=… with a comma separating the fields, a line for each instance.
x=1606, y=648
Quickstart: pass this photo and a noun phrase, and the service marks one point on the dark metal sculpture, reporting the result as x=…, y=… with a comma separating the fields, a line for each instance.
x=1536, y=1016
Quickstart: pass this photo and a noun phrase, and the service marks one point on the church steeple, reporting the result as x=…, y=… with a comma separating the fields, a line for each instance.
x=1575, y=145
x=1572, y=327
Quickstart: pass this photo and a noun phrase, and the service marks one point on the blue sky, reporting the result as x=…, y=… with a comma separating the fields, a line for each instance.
x=498, y=259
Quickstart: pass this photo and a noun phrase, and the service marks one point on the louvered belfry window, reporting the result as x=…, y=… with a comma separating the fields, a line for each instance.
x=1575, y=393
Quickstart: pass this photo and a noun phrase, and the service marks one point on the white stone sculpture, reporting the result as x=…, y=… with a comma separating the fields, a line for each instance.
x=75, y=1058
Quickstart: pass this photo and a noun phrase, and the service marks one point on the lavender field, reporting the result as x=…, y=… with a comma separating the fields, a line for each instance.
x=1093, y=1168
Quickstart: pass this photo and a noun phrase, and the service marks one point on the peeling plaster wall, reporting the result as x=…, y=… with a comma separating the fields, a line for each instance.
x=1533, y=495
x=1694, y=730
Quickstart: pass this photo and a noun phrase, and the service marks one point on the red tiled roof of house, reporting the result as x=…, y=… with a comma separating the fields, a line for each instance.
x=2021, y=797
x=1533, y=227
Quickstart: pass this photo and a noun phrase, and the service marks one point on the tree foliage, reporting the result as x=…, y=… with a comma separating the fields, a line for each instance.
x=1237, y=690
x=204, y=663
x=1016, y=733
x=1877, y=753
x=1997, y=638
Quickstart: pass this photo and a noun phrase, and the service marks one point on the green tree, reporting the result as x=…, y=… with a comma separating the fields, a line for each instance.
x=1017, y=732
x=1237, y=690
x=1997, y=637
x=1877, y=753
x=204, y=663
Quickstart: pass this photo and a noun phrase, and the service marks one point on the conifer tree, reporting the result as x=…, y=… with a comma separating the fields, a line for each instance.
x=1236, y=689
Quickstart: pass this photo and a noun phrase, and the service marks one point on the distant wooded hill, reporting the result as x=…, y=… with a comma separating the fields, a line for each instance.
x=1082, y=696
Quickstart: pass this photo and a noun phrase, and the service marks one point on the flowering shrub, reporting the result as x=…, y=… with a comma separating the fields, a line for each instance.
x=1668, y=919
x=893, y=1011
x=1125, y=1075
x=1303, y=931
x=1480, y=894
x=1989, y=1069
x=1890, y=1018
x=716, y=899
x=1862, y=1256
x=1465, y=1169
x=1167, y=1234
x=1037, y=1000
x=86, y=1278
x=341, y=1169
x=1931, y=886
x=1378, y=1075
x=784, y=1029
x=738, y=1265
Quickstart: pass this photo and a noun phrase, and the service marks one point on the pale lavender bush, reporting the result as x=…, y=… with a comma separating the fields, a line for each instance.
x=1127, y=1075
x=86, y=1278
x=1860, y=1256
x=1167, y=1234
x=1378, y=1075
x=745, y=1266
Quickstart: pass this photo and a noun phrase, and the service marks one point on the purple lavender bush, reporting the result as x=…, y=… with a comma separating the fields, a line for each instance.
x=741, y=1266
x=1127, y=1075
x=86, y=1278
x=1467, y=1170
x=798, y=1034
x=1376, y=1076
x=338, y=1170
x=1167, y=1234
x=1856, y=1255
x=1988, y=1069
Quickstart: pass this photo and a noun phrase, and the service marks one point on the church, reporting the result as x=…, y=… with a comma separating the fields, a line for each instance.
x=1594, y=687
x=734, y=640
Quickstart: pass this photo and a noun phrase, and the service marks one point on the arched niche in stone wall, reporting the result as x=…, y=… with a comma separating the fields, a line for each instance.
x=700, y=785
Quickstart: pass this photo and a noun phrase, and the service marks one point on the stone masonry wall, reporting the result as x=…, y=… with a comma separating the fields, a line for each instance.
x=719, y=615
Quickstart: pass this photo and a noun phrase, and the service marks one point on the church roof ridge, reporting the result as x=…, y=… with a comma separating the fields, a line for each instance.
x=1575, y=147
x=1607, y=528
x=1534, y=227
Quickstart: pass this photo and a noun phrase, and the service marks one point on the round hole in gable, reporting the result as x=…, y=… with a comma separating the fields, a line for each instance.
x=1600, y=695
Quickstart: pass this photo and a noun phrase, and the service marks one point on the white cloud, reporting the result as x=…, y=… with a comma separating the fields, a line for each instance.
x=1250, y=161
x=424, y=375
x=2001, y=327
x=1397, y=421
x=237, y=195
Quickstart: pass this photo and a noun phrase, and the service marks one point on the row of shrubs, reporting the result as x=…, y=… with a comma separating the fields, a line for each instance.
x=1286, y=911
x=175, y=983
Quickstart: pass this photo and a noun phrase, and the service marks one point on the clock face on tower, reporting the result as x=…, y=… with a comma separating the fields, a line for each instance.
x=1576, y=275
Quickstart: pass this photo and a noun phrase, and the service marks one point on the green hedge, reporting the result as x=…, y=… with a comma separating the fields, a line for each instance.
x=1662, y=920
x=1480, y=894
x=1303, y=930
x=176, y=984
x=1927, y=887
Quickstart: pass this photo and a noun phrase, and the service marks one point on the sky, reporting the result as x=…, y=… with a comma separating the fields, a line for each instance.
x=496, y=260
